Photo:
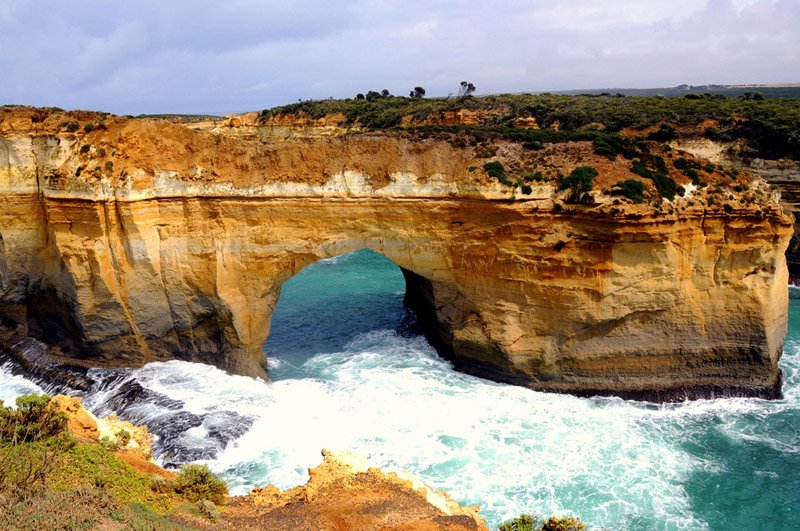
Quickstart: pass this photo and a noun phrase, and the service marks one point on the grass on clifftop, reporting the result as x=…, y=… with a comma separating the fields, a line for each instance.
x=48, y=480
x=770, y=127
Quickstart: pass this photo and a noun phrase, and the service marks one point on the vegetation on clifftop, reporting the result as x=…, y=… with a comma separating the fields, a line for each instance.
x=769, y=127
x=49, y=480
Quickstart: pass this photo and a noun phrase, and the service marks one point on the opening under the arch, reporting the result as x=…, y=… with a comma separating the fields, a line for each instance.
x=331, y=303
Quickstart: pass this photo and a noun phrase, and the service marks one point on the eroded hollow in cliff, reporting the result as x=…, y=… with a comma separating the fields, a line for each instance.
x=334, y=304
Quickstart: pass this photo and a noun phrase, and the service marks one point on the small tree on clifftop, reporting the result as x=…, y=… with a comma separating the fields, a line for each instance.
x=466, y=89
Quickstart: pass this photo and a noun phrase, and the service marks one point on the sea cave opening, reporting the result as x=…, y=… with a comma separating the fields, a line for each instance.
x=333, y=302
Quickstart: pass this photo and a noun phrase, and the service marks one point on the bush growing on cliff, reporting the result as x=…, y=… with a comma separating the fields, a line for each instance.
x=496, y=170
x=529, y=522
x=631, y=189
x=654, y=168
x=32, y=444
x=665, y=133
x=579, y=182
x=197, y=482
x=35, y=419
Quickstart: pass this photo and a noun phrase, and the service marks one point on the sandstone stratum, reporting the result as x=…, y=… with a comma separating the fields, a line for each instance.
x=125, y=241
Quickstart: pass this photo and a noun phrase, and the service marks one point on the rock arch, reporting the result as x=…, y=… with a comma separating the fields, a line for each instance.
x=619, y=308
x=182, y=252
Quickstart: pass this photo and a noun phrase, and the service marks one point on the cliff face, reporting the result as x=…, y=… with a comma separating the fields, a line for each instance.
x=783, y=174
x=144, y=240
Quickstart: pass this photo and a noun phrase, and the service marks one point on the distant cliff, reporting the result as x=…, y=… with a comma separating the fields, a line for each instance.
x=125, y=241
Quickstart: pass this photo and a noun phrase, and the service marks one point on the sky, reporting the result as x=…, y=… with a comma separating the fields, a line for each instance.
x=225, y=56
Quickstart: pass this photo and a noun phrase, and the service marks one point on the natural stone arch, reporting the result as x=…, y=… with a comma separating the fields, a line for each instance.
x=175, y=251
x=574, y=305
x=417, y=277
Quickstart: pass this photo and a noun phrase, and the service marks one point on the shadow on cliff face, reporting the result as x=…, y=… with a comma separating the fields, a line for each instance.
x=52, y=320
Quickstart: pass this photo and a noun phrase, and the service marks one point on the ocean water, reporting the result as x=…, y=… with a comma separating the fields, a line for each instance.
x=351, y=372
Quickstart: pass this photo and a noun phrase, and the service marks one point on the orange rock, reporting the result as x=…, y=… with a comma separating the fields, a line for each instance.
x=344, y=494
x=80, y=423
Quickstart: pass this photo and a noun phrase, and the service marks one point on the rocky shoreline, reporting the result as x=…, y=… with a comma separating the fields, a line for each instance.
x=342, y=492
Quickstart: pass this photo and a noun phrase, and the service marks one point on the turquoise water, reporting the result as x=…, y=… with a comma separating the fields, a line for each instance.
x=351, y=373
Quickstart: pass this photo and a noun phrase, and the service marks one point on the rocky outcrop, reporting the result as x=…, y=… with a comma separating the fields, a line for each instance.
x=86, y=427
x=143, y=240
x=343, y=493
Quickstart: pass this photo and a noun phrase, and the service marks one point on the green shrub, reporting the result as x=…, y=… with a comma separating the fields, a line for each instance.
x=197, y=482
x=35, y=419
x=612, y=145
x=208, y=510
x=523, y=522
x=631, y=189
x=528, y=522
x=495, y=169
x=682, y=163
x=533, y=146
x=108, y=443
x=654, y=168
x=32, y=444
x=526, y=189
x=85, y=148
x=123, y=438
x=580, y=182
x=88, y=128
x=665, y=133
x=567, y=523
x=161, y=484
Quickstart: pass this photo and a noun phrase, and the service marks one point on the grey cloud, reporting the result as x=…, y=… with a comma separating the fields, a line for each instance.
x=205, y=56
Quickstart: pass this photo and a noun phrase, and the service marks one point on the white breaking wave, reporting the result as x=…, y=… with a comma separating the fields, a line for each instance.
x=12, y=386
x=616, y=464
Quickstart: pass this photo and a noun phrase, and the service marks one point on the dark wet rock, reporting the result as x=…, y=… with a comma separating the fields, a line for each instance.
x=32, y=359
x=226, y=426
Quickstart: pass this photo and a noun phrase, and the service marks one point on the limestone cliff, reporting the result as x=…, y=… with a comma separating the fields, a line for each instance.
x=127, y=241
x=783, y=174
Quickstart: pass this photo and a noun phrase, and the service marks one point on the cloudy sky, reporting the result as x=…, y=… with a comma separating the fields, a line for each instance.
x=219, y=56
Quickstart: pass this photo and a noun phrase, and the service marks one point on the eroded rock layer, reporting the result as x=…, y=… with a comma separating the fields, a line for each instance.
x=143, y=240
